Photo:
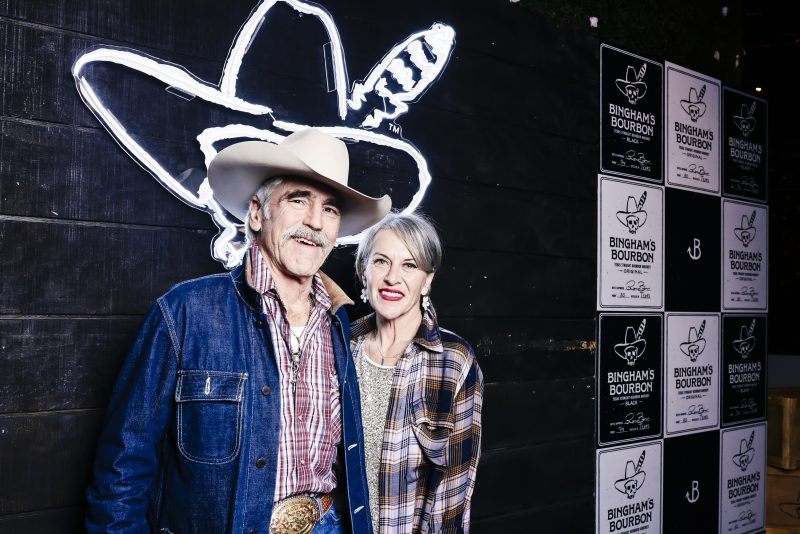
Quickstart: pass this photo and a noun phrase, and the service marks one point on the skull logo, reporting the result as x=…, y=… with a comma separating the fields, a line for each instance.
x=631, y=487
x=631, y=355
x=694, y=352
x=632, y=92
x=633, y=223
x=746, y=237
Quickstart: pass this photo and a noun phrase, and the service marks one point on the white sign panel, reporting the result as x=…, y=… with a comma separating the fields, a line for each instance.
x=631, y=244
x=692, y=129
x=743, y=479
x=692, y=372
x=629, y=489
x=744, y=256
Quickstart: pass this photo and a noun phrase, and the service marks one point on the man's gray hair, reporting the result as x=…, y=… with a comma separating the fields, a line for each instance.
x=415, y=230
x=264, y=195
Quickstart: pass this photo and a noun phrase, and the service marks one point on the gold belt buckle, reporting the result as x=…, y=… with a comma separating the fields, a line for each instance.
x=298, y=514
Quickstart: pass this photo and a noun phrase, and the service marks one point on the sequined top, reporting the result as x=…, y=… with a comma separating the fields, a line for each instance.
x=375, y=385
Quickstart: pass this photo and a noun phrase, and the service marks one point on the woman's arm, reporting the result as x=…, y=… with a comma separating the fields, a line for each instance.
x=454, y=493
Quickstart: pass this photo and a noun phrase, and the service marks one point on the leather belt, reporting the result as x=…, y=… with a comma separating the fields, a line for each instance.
x=299, y=514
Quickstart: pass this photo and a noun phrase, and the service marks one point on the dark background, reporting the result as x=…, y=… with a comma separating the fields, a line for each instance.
x=510, y=132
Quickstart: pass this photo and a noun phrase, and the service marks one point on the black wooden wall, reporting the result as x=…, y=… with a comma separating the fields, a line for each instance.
x=89, y=239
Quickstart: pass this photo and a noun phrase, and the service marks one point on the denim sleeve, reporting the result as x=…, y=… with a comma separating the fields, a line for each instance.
x=141, y=406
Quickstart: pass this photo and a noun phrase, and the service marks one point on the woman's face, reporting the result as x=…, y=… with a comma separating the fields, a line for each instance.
x=394, y=280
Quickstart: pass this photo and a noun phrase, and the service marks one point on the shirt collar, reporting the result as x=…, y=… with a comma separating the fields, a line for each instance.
x=428, y=336
x=264, y=282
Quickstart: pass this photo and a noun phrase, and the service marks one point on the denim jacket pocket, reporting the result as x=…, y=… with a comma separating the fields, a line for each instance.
x=432, y=430
x=209, y=414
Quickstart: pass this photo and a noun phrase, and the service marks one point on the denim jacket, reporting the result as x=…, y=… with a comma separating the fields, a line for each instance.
x=191, y=433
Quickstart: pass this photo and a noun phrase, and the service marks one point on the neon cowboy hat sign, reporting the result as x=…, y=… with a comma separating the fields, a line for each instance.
x=361, y=115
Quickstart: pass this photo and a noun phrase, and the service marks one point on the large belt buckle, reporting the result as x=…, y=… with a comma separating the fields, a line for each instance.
x=298, y=514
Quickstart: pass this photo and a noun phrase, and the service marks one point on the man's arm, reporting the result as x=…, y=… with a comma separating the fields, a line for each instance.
x=137, y=416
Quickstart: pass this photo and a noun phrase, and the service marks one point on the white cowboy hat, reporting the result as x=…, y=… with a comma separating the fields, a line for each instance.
x=631, y=80
x=745, y=343
x=693, y=340
x=237, y=171
x=630, y=339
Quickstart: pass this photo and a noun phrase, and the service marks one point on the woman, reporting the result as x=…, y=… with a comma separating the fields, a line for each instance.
x=421, y=387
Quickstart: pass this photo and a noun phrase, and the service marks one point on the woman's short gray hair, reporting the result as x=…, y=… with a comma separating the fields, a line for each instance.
x=264, y=195
x=415, y=230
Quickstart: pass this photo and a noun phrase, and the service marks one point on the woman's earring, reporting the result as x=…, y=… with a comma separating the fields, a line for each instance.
x=426, y=302
x=364, y=296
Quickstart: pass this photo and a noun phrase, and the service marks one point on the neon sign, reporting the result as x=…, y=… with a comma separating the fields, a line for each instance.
x=399, y=79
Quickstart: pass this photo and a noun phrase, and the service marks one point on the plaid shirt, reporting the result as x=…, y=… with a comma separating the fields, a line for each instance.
x=311, y=422
x=431, y=441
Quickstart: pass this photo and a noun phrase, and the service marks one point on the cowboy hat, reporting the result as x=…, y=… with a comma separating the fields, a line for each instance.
x=746, y=452
x=632, y=208
x=630, y=339
x=745, y=343
x=745, y=227
x=630, y=474
x=238, y=170
x=700, y=343
x=631, y=80
x=694, y=100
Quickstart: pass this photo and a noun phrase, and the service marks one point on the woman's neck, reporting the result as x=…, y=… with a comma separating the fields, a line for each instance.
x=393, y=335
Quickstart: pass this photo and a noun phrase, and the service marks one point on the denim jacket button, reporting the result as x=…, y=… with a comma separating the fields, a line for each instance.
x=265, y=390
x=253, y=531
x=258, y=323
x=260, y=463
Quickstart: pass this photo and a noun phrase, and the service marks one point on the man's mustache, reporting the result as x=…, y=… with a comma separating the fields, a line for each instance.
x=304, y=232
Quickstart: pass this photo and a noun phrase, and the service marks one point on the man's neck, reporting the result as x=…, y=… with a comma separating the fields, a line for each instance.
x=294, y=291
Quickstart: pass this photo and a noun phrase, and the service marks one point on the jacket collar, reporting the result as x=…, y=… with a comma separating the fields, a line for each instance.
x=428, y=336
x=243, y=280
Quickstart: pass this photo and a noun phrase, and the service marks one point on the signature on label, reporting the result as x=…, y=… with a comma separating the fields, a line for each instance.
x=694, y=168
x=638, y=157
x=633, y=285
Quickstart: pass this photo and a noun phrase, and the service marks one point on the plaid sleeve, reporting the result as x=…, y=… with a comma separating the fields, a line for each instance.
x=454, y=492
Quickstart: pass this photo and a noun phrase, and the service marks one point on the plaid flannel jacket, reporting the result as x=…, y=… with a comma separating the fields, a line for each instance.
x=432, y=437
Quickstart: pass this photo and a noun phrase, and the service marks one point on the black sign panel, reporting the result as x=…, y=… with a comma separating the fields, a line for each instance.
x=744, y=157
x=744, y=368
x=691, y=483
x=629, y=377
x=692, y=250
x=631, y=115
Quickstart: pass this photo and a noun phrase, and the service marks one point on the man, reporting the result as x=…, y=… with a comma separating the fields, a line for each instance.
x=239, y=394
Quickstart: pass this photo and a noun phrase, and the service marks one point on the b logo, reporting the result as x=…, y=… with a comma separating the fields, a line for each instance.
x=694, y=251
x=694, y=494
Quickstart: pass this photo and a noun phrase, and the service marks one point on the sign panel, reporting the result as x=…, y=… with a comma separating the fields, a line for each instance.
x=629, y=377
x=691, y=483
x=692, y=129
x=743, y=478
x=629, y=489
x=631, y=115
x=691, y=376
x=692, y=273
x=744, y=160
x=745, y=233
x=744, y=368
x=630, y=245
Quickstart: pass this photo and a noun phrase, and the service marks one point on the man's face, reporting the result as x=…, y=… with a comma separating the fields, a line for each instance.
x=300, y=229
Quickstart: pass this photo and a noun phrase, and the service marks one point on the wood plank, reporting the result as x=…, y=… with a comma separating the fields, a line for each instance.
x=47, y=459
x=95, y=269
x=49, y=170
x=491, y=218
x=502, y=155
x=546, y=474
x=478, y=284
x=56, y=521
x=510, y=350
x=572, y=516
x=51, y=364
x=521, y=413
